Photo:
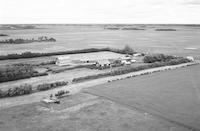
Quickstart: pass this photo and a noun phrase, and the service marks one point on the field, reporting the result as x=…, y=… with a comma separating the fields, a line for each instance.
x=173, y=95
x=184, y=41
x=81, y=112
x=162, y=101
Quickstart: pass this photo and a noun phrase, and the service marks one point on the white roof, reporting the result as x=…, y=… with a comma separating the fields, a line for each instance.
x=92, y=56
x=102, y=62
x=63, y=57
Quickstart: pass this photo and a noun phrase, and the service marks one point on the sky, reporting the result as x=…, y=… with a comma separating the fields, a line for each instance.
x=100, y=11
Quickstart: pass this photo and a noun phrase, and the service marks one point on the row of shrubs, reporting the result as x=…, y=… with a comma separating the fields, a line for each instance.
x=28, y=89
x=126, y=50
x=16, y=72
x=132, y=69
x=158, y=58
x=22, y=41
x=3, y=35
x=33, y=55
x=37, y=64
x=47, y=86
x=61, y=93
x=16, y=91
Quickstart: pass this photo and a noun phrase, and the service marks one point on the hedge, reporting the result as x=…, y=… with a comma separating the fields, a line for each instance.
x=47, y=86
x=126, y=50
x=16, y=91
x=27, y=89
x=61, y=93
x=23, y=41
x=132, y=69
x=158, y=58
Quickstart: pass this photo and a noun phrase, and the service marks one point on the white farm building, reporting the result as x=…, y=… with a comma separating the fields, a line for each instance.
x=87, y=58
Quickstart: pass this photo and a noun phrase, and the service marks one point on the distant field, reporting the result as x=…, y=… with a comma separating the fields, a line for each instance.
x=179, y=42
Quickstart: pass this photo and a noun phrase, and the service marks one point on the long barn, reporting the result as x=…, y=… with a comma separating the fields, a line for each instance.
x=74, y=59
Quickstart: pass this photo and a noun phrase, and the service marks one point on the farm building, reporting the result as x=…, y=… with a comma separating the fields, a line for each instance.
x=87, y=58
x=125, y=62
x=102, y=63
x=137, y=54
x=190, y=58
x=63, y=60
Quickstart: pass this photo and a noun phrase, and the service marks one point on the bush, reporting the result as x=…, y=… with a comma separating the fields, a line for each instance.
x=27, y=89
x=178, y=61
x=126, y=50
x=61, y=93
x=16, y=91
x=157, y=58
x=47, y=86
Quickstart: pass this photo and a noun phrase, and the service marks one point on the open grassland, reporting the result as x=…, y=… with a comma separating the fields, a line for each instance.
x=81, y=112
x=173, y=95
x=184, y=41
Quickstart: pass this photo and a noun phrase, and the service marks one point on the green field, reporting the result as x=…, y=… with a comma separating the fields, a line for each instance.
x=184, y=41
x=173, y=95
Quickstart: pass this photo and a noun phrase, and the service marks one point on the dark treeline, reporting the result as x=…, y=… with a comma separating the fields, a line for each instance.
x=3, y=35
x=164, y=58
x=48, y=86
x=158, y=58
x=28, y=89
x=165, y=29
x=129, y=28
x=11, y=73
x=16, y=91
x=126, y=50
x=22, y=41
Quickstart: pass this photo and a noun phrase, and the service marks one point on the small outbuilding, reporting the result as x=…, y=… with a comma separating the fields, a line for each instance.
x=137, y=54
x=63, y=60
x=125, y=62
x=190, y=58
